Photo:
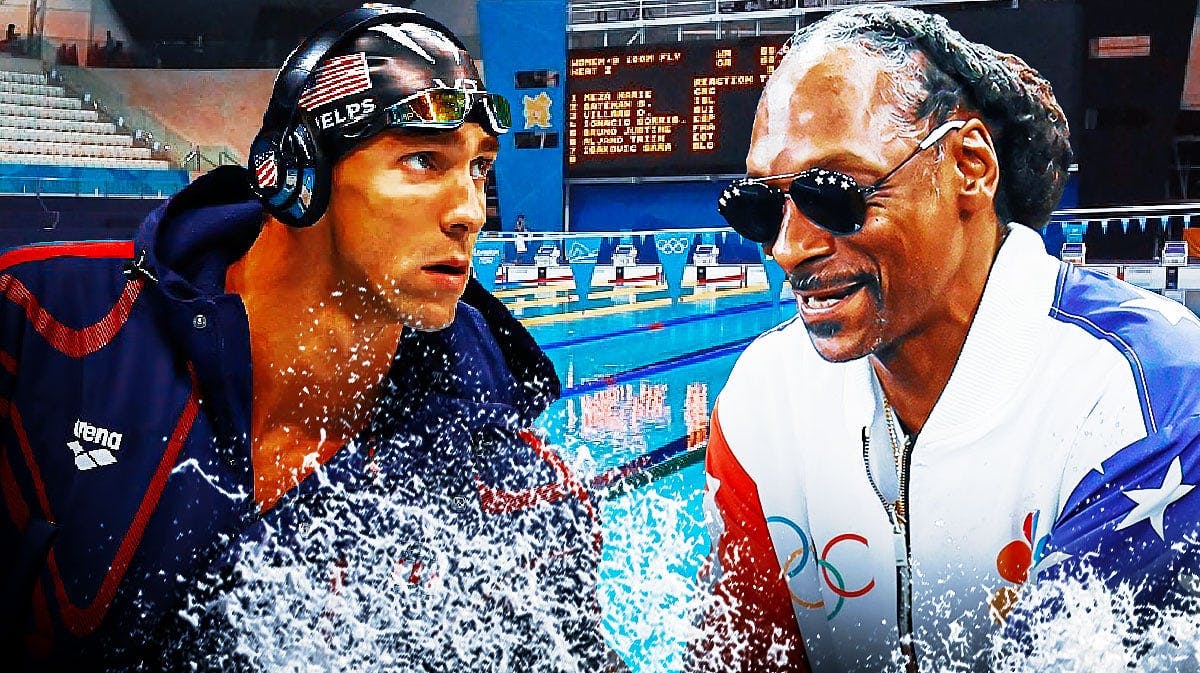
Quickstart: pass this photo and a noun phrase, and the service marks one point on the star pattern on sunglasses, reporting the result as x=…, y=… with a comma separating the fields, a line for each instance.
x=835, y=180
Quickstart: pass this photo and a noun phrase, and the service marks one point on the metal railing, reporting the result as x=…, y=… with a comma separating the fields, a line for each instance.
x=588, y=15
x=110, y=101
x=201, y=158
x=1188, y=214
x=512, y=236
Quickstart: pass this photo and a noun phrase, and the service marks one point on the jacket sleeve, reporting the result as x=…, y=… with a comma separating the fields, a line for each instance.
x=747, y=622
x=1131, y=524
x=25, y=532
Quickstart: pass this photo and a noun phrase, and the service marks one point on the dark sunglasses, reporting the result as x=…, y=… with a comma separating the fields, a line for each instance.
x=446, y=108
x=831, y=200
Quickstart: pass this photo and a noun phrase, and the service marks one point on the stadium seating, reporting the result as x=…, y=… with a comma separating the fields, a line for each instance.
x=42, y=125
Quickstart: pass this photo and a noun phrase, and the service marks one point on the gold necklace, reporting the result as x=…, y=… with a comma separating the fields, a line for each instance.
x=898, y=456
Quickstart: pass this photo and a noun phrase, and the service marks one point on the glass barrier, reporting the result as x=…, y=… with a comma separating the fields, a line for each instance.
x=149, y=187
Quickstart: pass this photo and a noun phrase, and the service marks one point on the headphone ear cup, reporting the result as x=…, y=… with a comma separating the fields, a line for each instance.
x=301, y=190
x=264, y=166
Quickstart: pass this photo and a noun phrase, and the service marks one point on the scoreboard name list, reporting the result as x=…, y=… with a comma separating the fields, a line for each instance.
x=683, y=109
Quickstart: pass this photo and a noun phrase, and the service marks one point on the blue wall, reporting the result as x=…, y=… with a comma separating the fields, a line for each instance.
x=33, y=179
x=527, y=35
x=30, y=219
x=659, y=205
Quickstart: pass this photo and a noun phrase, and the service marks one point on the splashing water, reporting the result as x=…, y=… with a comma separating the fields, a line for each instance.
x=363, y=581
x=193, y=464
x=1080, y=626
x=649, y=588
x=369, y=582
x=1071, y=625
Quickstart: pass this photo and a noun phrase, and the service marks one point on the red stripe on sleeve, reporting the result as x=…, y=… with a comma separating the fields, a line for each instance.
x=14, y=502
x=8, y=362
x=749, y=620
x=39, y=487
x=40, y=642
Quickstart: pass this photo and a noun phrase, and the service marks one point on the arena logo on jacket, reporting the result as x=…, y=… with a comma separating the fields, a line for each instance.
x=93, y=446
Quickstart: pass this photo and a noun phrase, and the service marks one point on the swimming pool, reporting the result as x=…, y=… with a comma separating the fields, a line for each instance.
x=639, y=380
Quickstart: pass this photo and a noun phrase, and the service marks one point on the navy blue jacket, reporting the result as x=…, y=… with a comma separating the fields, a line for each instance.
x=125, y=394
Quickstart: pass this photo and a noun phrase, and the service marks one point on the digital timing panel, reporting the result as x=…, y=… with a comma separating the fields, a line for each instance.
x=685, y=109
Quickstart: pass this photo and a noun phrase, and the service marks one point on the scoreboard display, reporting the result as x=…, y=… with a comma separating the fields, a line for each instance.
x=650, y=110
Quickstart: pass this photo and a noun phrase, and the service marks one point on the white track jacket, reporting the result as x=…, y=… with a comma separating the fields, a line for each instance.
x=1067, y=434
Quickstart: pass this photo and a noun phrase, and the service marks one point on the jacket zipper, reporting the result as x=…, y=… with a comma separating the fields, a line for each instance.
x=897, y=513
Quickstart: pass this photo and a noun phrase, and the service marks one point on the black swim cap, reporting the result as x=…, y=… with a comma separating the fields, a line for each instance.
x=347, y=98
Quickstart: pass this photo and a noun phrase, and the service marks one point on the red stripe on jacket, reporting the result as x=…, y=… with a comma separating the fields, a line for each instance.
x=83, y=620
x=39, y=486
x=91, y=249
x=496, y=501
x=749, y=620
x=72, y=342
x=8, y=362
x=14, y=502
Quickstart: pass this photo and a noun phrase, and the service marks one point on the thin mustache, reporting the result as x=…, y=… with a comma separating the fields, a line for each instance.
x=808, y=282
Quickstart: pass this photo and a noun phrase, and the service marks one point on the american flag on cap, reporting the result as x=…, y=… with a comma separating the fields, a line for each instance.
x=338, y=77
x=266, y=172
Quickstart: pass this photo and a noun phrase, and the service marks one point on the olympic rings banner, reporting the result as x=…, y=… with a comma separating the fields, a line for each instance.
x=673, y=252
x=582, y=254
x=485, y=261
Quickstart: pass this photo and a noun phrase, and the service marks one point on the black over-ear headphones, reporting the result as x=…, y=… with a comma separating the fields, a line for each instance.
x=288, y=172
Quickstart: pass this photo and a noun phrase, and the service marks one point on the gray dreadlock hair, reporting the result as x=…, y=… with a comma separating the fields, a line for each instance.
x=1016, y=104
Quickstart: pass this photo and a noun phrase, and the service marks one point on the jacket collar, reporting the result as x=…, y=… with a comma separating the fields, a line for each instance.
x=1003, y=342
x=188, y=243
x=999, y=353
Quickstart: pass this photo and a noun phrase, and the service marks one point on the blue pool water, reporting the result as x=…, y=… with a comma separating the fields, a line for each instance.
x=638, y=387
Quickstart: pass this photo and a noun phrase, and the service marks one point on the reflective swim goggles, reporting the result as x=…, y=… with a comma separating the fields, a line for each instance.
x=831, y=200
x=446, y=108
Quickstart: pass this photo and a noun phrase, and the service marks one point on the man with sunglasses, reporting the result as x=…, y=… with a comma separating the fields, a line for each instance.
x=954, y=418
x=290, y=373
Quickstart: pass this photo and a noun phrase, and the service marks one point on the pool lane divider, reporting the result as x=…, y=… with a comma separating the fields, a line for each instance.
x=682, y=320
x=568, y=297
x=653, y=368
x=640, y=305
x=649, y=467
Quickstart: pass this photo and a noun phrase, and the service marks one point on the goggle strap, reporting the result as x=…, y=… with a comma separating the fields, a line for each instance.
x=489, y=108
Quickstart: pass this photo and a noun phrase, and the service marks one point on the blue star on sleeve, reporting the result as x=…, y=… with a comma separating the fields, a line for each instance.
x=1137, y=522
